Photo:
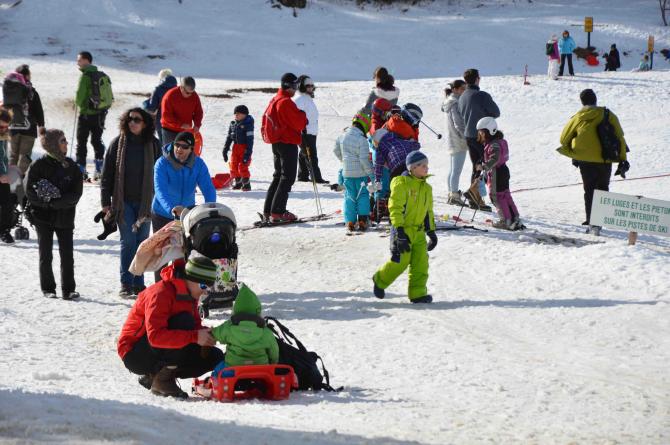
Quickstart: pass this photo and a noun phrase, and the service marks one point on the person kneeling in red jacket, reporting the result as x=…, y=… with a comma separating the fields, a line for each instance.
x=163, y=337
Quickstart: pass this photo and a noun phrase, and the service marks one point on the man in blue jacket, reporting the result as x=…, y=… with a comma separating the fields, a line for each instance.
x=176, y=175
x=566, y=45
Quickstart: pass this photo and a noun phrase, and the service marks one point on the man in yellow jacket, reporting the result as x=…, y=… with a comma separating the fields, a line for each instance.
x=411, y=214
x=579, y=141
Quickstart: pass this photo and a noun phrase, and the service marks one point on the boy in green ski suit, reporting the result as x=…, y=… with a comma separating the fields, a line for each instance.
x=411, y=213
x=248, y=340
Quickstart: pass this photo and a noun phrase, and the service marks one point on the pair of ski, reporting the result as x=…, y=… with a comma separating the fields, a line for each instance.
x=267, y=222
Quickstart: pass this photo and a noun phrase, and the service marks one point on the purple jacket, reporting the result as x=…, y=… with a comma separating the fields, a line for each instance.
x=496, y=154
x=392, y=152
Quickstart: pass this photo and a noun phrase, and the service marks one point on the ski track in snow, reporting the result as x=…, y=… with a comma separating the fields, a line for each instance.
x=525, y=343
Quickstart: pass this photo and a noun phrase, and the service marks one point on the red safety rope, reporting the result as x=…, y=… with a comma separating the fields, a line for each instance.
x=580, y=183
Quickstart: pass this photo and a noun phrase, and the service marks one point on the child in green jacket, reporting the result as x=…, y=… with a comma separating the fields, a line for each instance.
x=248, y=340
x=411, y=213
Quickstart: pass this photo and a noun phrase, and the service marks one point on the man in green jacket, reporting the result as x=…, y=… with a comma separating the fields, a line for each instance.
x=91, y=121
x=411, y=214
x=579, y=141
x=248, y=340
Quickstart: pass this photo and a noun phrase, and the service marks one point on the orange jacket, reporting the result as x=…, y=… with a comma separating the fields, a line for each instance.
x=177, y=110
x=398, y=126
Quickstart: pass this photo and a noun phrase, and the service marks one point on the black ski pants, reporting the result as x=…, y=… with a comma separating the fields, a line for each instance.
x=6, y=207
x=192, y=360
x=476, y=152
x=570, y=70
x=93, y=125
x=595, y=176
x=283, y=178
x=308, y=162
x=45, y=240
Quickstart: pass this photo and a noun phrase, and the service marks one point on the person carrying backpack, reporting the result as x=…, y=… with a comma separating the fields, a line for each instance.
x=553, y=55
x=612, y=59
x=580, y=141
x=283, y=124
x=93, y=99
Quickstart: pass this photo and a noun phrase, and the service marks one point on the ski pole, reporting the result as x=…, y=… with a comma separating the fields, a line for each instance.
x=74, y=130
x=439, y=136
x=319, y=210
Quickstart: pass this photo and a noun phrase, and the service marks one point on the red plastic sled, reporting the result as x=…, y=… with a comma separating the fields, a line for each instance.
x=221, y=180
x=591, y=60
x=198, y=141
x=272, y=382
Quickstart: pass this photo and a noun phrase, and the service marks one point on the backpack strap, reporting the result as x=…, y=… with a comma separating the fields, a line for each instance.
x=326, y=386
x=237, y=318
x=288, y=335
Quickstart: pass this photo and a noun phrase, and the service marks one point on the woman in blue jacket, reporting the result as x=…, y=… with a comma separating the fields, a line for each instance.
x=566, y=45
x=176, y=175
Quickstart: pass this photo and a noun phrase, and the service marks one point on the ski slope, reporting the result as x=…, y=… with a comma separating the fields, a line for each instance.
x=525, y=343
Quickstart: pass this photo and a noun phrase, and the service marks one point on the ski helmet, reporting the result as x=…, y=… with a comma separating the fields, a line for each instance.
x=363, y=120
x=488, y=123
x=411, y=114
x=210, y=229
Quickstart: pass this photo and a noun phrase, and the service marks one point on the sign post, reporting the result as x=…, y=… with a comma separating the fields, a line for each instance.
x=650, y=49
x=632, y=213
x=588, y=28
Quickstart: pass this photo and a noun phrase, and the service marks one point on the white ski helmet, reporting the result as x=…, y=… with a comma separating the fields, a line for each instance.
x=190, y=217
x=489, y=124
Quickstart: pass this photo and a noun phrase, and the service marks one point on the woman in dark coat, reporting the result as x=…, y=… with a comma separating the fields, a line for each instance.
x=53, y=187
x=127, y=189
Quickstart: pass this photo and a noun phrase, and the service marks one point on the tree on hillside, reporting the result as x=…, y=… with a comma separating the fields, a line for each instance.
x=665, y=8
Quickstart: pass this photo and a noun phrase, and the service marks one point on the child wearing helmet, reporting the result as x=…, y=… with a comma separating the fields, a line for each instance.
x=496, y=155
x=411, y=214
x=352, y=149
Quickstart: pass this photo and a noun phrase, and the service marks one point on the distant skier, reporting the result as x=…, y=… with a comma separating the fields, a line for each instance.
x=241, y=135
x=553, y=55
x=153, y=105
x=411, y=214
x=384, y=88
x=566, y=45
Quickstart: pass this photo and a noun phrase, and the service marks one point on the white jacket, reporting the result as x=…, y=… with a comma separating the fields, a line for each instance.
x=305, y=102
x=455, y=126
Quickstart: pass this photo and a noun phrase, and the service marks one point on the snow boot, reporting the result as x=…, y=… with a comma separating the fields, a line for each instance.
x=362, y=223
x=71, y=295
x=238, y=184
x=351, y=226
x=378, y=291
x=49, y=294
x=424, y=299
x=6, y=237
x=165, y=383
x=126, y=292
x=98, y=169
x=146, y=380
x=246, y=185
x=455, y=199
x=283, y=217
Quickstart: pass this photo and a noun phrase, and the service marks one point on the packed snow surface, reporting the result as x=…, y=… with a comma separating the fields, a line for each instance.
x=525, y=343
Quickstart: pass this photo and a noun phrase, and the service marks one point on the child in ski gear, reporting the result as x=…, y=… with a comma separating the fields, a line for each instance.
x=644, y=64
x=496, y=155
x=153, y=105
x=53, y=210
x=381, y=112
x=401, y=139
x=308, y=159
x=248, y=341
x=457, y=146
x=180, y=110
x=91, y=121
x=163, y=337
x=553, y=55
x=411, y=213
x=566, y=45
x=384, y=88
x=241, y=135
x=352, y=149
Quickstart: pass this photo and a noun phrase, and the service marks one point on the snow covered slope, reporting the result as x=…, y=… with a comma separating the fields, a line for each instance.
x=525, y=343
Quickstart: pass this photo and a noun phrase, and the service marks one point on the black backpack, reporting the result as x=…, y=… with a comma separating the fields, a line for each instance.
x=550, y=48
x=304, y=362
x=609, y=142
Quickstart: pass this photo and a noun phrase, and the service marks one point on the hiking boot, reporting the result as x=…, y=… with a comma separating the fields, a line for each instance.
x=351, y=226
x=283, y=217
x=49, y=294
x=165, y=383
x=455, y=199
x=146, y=380
x=6, y=237
x=424, y=299
x=246, y=185
x=238, y=184
x=362, y=224
x=70, y=295
x=126, y=291
x=378, y=291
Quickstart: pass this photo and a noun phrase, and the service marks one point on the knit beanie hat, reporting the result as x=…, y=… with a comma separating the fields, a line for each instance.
x=415, y=158
x=363, y=120
x=185, y=136
x=50, y=143
x=241, y=109
x=200, y=270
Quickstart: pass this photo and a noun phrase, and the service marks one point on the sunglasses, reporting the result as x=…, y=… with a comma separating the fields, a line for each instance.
x=62, y=141
x=136, y=120
x=182, y=146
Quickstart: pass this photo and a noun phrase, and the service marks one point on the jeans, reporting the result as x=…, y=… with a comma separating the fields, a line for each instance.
x=93, y=124
x=283, y=178
x=130, y=241
x=457, y=161
x=45, y=241
x=356, y=199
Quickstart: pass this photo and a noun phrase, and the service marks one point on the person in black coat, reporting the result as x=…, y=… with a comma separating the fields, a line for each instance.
x=53, y=187
x=24, y=140
x=127, y=189
x=612, y=58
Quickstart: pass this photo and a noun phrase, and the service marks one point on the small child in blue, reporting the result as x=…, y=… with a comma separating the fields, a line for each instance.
x=352, y=149
x=241, y=135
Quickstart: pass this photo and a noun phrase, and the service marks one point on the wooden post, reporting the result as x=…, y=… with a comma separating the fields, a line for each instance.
x=632, y=238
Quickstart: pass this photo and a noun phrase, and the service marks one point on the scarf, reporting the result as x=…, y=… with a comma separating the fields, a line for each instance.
x=147, y=183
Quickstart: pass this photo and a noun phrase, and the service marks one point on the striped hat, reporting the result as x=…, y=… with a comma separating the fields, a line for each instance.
x=363, y=120
x=200, y=270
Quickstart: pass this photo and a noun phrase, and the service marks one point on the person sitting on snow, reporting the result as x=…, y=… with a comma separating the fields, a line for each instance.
x=248, y=340
x=644, y=64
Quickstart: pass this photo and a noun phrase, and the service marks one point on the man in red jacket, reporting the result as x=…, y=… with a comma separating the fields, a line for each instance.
x=163, y=337
x=180, y=110
x=288, y=124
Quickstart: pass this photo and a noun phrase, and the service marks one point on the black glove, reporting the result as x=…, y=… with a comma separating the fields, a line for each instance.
x=433, y=240
x=401, y=241
x=225, y=155
x=108, y=224
x=622, y=168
